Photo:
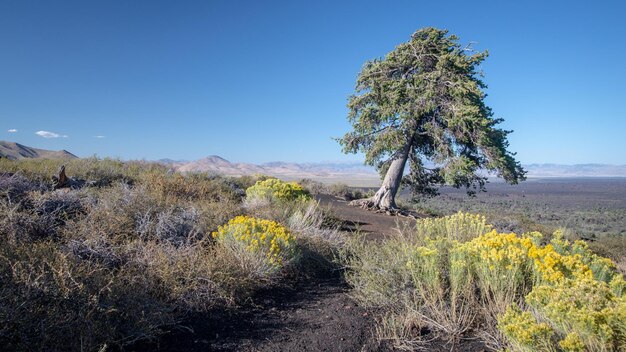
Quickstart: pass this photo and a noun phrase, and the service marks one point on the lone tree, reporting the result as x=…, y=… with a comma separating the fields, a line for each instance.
x=424, y=102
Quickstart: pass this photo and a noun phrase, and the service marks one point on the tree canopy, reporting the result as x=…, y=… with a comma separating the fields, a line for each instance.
x=424, y=101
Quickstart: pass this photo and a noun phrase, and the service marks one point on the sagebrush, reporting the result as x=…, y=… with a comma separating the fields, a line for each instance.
x=129, y=254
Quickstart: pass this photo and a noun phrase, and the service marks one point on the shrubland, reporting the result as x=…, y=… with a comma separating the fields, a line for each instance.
x=340, y=190
x=456, y=278
x=136, y=248
x=592, y=210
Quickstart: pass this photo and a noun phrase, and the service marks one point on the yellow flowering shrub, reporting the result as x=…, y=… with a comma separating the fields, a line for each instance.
x=560, y=284
x=422, y=266
x=552, y=267
x=618, y=285
x=266, y=237
x=500, y=266
x=573, y=299
x=275, y=189
x=459, y=227
x=572, y=343
x=524, y=331
x=603, y=269
x=585, y=306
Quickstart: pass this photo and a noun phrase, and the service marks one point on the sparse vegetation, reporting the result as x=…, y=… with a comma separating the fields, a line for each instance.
x=592, y=210
x=340, y=190
x=456, y=278
x=134, y=250
x=130, y=254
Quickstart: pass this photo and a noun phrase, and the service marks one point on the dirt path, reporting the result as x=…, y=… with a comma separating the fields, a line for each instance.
x=314, y=317
x=315, y=314
x=374, y=225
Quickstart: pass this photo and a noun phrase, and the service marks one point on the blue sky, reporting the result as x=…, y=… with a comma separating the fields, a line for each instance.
x=256, y=81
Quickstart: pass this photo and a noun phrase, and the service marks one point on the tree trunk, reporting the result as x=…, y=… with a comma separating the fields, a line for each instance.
x=384, y=199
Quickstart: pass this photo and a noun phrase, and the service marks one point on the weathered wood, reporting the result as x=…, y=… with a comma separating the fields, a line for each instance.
x=60, y=180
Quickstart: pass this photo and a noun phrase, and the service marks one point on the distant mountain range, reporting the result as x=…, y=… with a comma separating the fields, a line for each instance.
x=578, y=170
x=352, y=173
x=12, y=150
x=356, y=173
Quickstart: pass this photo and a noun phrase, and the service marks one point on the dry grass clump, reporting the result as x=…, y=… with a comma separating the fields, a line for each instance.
x=319, y=241
x=348, y=193
x=192, y=187
x=29, y=211
x=51, y=301
x=96, y=172
x=15, y=186
x=454, y=278
x=125, y=257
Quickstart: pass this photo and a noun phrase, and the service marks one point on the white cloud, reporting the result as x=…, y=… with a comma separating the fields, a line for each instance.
x=47, y=134
x=12, y=130
x=99, y=136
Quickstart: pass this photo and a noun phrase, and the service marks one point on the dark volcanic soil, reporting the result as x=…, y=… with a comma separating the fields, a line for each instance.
x=374, y=225
x=315, y=315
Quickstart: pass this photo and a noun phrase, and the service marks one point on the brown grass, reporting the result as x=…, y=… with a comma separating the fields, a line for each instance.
x=128, y=255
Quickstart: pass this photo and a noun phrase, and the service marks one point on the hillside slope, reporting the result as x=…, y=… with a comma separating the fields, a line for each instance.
x=354, y=173
x=14, y=151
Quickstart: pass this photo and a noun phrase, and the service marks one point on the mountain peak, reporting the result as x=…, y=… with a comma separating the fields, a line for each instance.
x=216, y=158
x=13, y=150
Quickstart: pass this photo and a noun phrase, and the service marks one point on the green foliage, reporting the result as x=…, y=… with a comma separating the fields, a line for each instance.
x=455, y=276
x=418, y=278
x=524, y=331
x=275, y=189
x=427, y=94
x=460, y=227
